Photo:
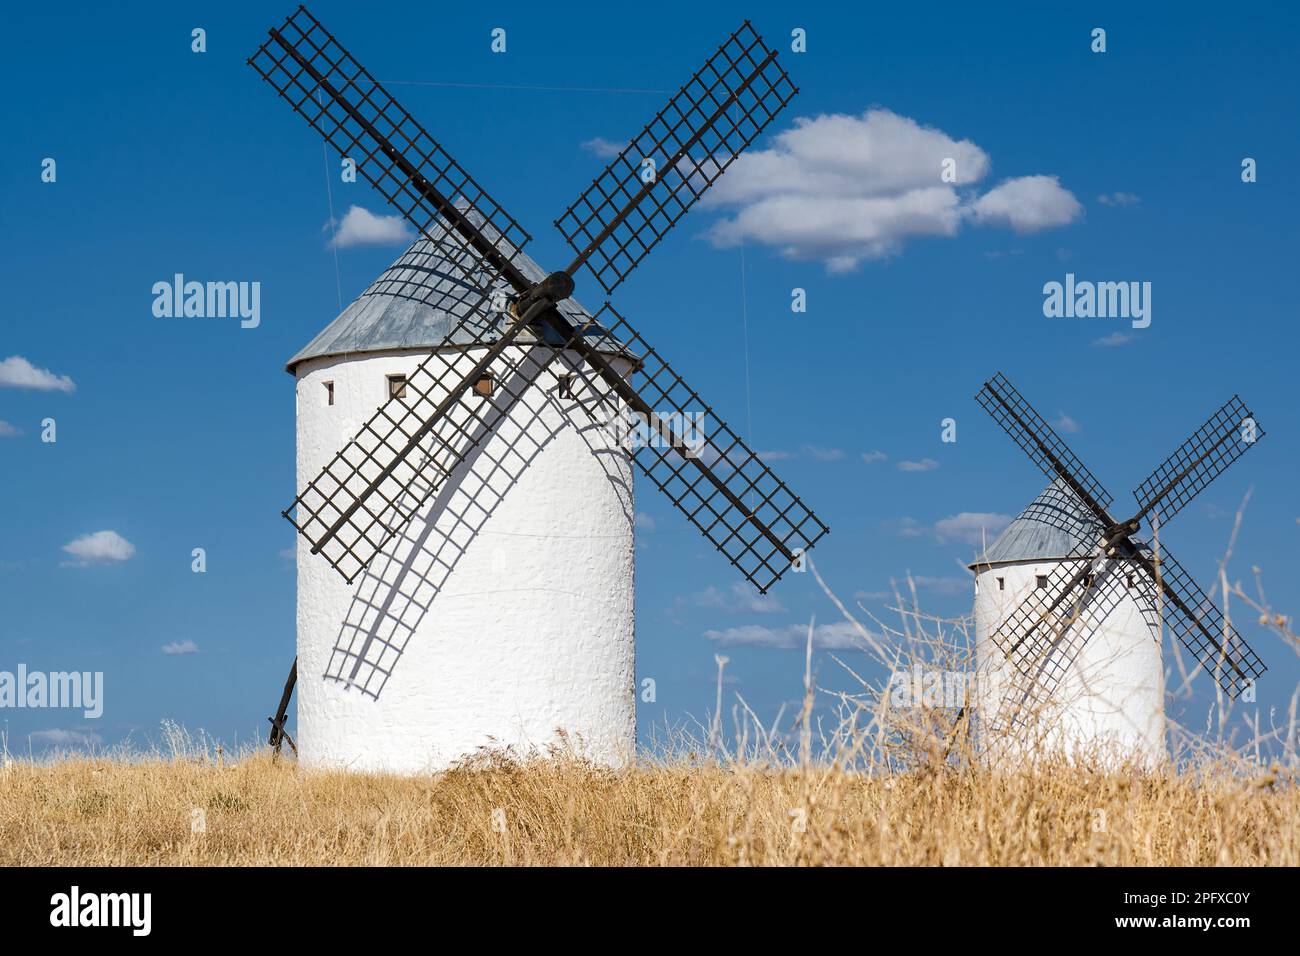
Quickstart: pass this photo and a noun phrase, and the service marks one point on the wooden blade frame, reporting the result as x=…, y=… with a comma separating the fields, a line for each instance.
x=1227, y=435
x=357, y=117
x=691, y=142
x=711, y=476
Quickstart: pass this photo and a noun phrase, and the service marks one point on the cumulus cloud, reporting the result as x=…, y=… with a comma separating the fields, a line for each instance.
x=8, y=430
x=361, y=227
x=604, y=148
x=1114, y=340
x=180, y=647
x=841, y=188
x=838, y=636
x=1119, y=199
x=925, y=464
x=908, y=527
x=17, y=372
x=814, y=452
x=824, y=454
x=102, y=547
x=1027, y=204
x=947, y=585
x=738, y=599
x=970, y=527
x=56, y=737
x=1064, y=423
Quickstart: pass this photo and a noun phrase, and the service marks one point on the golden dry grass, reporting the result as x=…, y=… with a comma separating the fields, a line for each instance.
x=882, y=786
x=258, y=813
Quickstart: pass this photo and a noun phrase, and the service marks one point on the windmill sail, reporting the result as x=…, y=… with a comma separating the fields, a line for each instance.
x=1201, y=627
x=667, y=167
x=347, y=106
x=1227, y=435
x=704, y=469
x=1039, y=441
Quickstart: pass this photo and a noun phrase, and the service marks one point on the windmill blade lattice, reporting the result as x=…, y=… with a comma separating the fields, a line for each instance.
x=357, y=117
x=1045, y=643
x=1202, y=628
x=402, y=456
x=691, y=142
x=708, y=473
x=1027, y=635
x=1227, y=435
x=1040, y=442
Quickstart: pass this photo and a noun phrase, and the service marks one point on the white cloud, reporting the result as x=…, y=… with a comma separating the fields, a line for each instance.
x=843, y=188
x=1119, y=199
x=1027, y=204
x=738, y=599
x=838, y=636
x=360, y=227
x=180, y=647
x=17, y=372
x=65, y=738
x=102, y=547
x=908, y=527
x=1114, y=340
x=769, y=456
x=939, y=585
x=970, y=527
x=1066, y=424
x=925, y=464
x=943, y=585
x=604, y=148
x=824, y=454
x=643, y=522
x=8, y=430
x=871, y=457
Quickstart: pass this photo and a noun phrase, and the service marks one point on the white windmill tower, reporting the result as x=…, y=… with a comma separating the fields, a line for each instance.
x=1111, y=695
x=502, y=611
x=1068, y=601
x=465, y=571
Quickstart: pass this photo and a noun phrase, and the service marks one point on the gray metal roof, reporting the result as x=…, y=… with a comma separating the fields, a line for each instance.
x=1054, y=524
x=423, y=296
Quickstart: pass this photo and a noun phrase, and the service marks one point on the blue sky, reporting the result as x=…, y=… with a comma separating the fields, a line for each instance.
x=179, y=433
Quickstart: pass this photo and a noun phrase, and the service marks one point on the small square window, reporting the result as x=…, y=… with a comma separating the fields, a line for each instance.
x=397, y=386
x=565, y=385
x=484, y=386
x=1130, y=580
x=1042, y=582
x=1002, y=584
x=329, y=393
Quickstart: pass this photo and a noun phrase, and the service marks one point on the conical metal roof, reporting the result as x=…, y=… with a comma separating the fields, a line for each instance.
x=1053, y=526
x=423, y=296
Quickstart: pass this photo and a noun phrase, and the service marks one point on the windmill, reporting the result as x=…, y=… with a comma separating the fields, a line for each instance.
x=1069, y=599
x=496, y=420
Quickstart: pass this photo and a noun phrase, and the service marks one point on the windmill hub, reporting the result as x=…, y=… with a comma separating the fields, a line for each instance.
x=556, y=287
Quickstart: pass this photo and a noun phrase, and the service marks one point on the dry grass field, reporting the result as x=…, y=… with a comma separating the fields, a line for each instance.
x=254, y=812
x=870, y=785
